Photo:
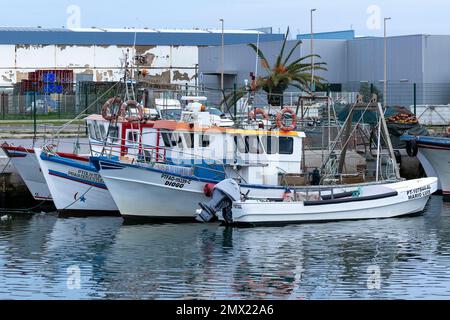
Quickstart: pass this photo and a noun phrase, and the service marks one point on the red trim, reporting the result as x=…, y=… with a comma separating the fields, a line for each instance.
x=61, y=154
x=72, y=156
x=158, y=139
x=445, y=192
x=123, y=148
x=20, y=149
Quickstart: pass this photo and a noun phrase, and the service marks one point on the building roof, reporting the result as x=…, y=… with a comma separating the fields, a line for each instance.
x=333, y=35
x=101, y=36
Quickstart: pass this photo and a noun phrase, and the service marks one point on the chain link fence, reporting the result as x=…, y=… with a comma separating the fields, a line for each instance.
x=15, y=104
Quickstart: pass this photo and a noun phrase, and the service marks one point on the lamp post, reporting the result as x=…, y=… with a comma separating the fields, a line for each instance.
x=222, y=57
x=312, y=50
x=385, y=61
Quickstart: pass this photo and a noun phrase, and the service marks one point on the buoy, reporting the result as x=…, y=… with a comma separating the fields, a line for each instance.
x=209, y=189
x=281, y=121
x=109, y=114
x=258, y=111
x=129, y=117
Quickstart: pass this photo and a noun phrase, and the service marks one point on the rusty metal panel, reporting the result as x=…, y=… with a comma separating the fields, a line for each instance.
x=161, y=64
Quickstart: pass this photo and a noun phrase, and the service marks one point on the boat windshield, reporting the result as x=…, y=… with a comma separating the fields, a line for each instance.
x=171, y=114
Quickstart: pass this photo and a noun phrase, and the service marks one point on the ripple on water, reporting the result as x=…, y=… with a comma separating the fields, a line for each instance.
x=39, y=255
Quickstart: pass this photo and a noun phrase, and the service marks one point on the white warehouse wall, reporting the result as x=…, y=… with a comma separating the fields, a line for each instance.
x=166, y=64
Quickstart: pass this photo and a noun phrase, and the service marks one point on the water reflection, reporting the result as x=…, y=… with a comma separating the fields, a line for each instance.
x=194, y=261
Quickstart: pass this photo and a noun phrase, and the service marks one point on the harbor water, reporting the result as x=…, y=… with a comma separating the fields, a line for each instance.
x=43, y=256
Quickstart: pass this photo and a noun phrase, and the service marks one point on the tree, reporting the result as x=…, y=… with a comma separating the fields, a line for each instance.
x=283, y=74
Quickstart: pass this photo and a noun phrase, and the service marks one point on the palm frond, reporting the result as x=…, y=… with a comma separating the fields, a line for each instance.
x=292, y=52
x=280, y=56
x=265, y=62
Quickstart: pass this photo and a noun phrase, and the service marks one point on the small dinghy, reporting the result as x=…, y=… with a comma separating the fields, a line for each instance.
x=355, y=203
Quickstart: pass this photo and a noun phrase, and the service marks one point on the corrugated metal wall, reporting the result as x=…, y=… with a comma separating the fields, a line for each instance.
x=412, y=59
x=241, y=59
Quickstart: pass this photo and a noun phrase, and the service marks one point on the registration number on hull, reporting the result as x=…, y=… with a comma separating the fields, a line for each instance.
x=86, y=175
x=174, y=182
x=419, y=192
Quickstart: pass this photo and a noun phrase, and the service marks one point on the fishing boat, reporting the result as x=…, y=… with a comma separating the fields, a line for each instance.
x=25, y=162
x=181, y=162
x=434, y=155
x=347, y=203
x=76, y=187
x=172, y=179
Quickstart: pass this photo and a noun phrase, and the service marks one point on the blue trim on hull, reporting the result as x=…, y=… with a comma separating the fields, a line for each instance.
x=66, y=176
x=429, y=141
x=105, y=163
x=68, y=162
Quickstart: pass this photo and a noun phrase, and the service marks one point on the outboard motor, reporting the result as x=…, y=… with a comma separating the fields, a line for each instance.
x=225, y=193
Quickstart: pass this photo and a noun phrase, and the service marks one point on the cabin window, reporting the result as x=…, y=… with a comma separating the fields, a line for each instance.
x=132, y=137
x=91, y=132
x=205, y=141
x=189, y=138
x=113, y=134
x=98, y=135
x=102, y=131
x=240, y=144
x=171, y=139
x=254, y=145
x=278, y=145
x=249, y=144
x=286, y=145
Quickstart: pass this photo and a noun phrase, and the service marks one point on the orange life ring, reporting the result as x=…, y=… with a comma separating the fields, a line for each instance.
x=259, y=111
x=106, y=114
x=281, y=122
x=132, y=118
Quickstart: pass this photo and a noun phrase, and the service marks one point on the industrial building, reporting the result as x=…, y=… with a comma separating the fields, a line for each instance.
x=416, y=64
x=96, y=54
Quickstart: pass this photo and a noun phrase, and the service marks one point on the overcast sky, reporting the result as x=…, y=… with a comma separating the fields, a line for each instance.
x=366, y=17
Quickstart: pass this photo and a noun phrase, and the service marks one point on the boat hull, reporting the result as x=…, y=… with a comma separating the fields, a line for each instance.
x=411, y=198
x=161, y=195
x=27, y=165
x=76, y=187
x=439, y=158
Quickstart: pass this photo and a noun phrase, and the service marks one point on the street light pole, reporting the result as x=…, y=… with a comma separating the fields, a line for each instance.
x=385, y=61
x=222, y=58
x=312, y=51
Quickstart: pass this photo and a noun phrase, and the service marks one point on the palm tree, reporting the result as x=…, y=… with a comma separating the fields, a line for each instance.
x=283, y=74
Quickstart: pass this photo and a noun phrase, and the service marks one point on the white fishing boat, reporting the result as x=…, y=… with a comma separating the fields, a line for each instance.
x=434, y=155
x=366, y=202
x=25, y=162
x=5, y=164
x=171, y=166
x=76, y=187
x=168, y=190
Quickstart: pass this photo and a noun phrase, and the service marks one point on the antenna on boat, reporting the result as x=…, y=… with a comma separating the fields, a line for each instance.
x=133, y=64
x=257, y=57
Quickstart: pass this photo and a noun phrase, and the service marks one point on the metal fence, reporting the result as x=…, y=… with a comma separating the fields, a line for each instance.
x=90, y=96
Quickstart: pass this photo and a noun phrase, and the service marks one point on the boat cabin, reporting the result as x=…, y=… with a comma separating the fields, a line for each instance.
x=257, y=156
